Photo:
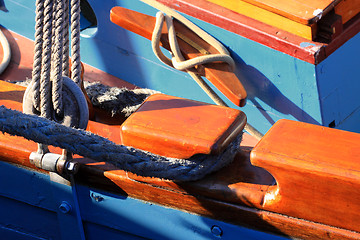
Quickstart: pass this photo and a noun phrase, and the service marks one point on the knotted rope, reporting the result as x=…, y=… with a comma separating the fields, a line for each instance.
x=96, y=147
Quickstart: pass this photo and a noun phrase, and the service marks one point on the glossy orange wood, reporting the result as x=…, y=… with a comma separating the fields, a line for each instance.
x=262, y=33
x=180, y=128
x=298, y=10
x=190, y=197
x=219, y=74
x=317, y=170
x=233, y=195
x=347, y=9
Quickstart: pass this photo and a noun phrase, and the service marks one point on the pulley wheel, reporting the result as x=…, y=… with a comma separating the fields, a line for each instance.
x=75, y=108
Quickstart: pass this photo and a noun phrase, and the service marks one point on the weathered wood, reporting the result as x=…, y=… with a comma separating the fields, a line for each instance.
x=219, y=74
x=180, y=128
x=317, y=172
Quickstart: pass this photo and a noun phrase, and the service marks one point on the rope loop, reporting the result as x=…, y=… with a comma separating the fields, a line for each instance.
x=178, y=61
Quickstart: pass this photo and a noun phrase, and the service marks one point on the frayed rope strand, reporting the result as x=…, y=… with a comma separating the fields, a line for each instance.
x=92, y=146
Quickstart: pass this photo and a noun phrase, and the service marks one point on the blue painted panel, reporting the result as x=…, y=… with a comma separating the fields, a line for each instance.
x=279, y=85
x=20, y=17
x=26, y=186
x=339, y=86
x=153, y=221
x=93, y=231
x=103, y=214
x=19, y=220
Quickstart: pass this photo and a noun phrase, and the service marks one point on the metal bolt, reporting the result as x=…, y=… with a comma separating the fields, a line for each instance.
x=72, y=167
x=65, y=207
x=216, y=231
x=97, y=198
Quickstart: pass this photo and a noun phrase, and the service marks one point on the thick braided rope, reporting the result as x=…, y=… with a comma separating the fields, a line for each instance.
x=65, y=62
x=75, y=41
x=58, y=57
x=36, y=73
x=96, y=147
x=45, y=97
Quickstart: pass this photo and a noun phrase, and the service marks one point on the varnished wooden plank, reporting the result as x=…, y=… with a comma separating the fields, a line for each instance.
x=320, y=164
x=183, y=197
x=181, y=128
x=272, y=37
x=303, y=11
x=347, y=9
x=270, y=18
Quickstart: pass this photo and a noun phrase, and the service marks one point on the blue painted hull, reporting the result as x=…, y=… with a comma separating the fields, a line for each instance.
x=29, y=209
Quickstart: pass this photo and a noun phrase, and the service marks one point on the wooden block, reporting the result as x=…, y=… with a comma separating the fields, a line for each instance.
x=177, y=127
x=347, y=9
x=317, y=170
x=329, y=27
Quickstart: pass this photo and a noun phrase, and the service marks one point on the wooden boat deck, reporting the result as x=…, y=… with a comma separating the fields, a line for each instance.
x=236, y=194
x=302, y=18
x=276, y=28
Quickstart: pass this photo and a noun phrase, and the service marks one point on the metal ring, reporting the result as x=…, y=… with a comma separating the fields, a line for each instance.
x=75, y=113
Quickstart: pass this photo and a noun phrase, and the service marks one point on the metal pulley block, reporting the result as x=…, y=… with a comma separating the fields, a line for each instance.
x=75, y=114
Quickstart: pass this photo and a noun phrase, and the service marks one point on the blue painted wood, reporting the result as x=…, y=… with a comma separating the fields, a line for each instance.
x=279, y=85
x=103, y=214
x=69, y=219
x=339, y=86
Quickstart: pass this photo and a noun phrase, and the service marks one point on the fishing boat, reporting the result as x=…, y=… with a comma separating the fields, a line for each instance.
x=250, y=129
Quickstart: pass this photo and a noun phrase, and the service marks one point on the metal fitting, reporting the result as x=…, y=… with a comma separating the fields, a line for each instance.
x=216, y=231
x=65, y=207
x=54, y=163
x=45, y=161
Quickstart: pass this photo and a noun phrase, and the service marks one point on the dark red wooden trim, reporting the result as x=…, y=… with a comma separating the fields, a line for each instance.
x=262, y=33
